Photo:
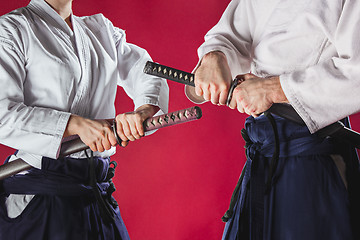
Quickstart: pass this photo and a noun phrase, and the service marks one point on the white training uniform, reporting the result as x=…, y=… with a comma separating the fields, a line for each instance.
x=48, y=71
x=313, y=45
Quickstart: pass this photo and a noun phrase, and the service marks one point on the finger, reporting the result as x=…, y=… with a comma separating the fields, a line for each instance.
x=247, y=111
x=214, y=94
x=120, y=131
x=106, y=144
x=240, y=107
x=223, y=97
x=112, y=139
x=127, y=131
x=198, y=90
x=99, y=146
x=140, y=127
x=214, y=98
x=93, y=147
x=124, y=143
x=206, y=94
x=255, y=115
x=133, y=131
x=233, y=103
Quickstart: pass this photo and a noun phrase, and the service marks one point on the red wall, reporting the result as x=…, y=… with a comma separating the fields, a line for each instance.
x=177, y=183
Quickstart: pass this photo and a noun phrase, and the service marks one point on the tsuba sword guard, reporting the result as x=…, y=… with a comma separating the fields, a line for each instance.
x=239, y=79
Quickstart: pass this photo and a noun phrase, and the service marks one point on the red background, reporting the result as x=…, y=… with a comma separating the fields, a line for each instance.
x=177, y=183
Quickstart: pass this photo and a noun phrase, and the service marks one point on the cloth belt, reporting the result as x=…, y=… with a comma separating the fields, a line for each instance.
x=69, y=177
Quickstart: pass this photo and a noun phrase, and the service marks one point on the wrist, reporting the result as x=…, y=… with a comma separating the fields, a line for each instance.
x=149, y=109
x=72, y=125
x=213, y=56
x=278, y=95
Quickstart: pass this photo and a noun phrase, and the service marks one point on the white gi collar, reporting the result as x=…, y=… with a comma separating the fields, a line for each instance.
x=46, y=12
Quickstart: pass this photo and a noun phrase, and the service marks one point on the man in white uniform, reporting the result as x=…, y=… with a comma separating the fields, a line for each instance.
x=58, y=77
x=307, y=54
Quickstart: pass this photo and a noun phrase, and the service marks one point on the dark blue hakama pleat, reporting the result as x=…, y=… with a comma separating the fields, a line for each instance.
x=307, y=198
x=64, y=206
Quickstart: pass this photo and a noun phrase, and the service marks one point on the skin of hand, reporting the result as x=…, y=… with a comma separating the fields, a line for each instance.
x=98, y=134
x=213, y=78
x=256, y=95
x=130, y=124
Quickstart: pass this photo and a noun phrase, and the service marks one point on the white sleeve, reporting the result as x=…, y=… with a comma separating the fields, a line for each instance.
x=329, y=91
x=140, y=87
x=31, y=129
x=234, y=40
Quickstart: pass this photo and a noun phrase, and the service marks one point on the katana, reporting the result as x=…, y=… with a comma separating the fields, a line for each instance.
x=336, y=130
x=76, y=145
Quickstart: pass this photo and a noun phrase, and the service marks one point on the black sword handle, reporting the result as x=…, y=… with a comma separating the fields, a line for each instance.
x=172, y=74
x=336, y=130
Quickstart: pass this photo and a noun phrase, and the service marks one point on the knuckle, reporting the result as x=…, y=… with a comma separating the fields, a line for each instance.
x=214, y=87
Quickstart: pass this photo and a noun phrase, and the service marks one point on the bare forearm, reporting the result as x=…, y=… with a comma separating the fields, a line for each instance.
x=149, y=109
x=275, y=90
x=72, y=126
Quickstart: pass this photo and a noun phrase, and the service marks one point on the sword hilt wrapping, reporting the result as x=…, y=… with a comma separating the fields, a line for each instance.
x=169, y=119
x=164, y=120
x=76, y=145
x=173, y=74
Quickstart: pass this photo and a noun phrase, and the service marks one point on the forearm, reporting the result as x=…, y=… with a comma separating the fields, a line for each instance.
x=276, y=93
x=73, y=125
x=149, y=110
x=234, y=40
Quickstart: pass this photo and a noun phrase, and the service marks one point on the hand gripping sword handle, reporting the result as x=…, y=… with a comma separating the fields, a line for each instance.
x=336, y=130
x=167, y=119
x=153, y=123
x=76, y=145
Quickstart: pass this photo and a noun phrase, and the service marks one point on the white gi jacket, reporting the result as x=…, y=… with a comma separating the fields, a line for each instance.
x=48, y=71
x=313, y=45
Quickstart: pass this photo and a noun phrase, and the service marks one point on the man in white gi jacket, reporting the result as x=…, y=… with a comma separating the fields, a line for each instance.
x=58, y=77
x=307, y=54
